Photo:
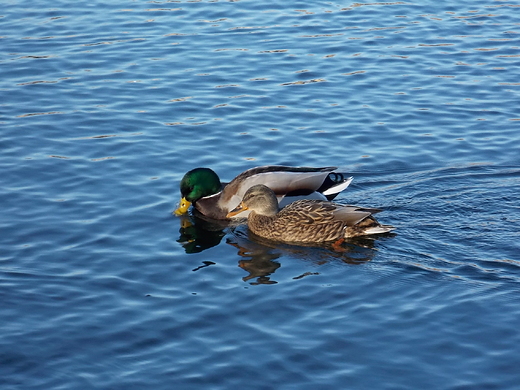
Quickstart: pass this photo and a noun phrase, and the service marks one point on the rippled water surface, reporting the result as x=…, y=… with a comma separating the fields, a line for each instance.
x=105, y=105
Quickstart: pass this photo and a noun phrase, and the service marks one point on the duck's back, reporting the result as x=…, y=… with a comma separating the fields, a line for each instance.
x=301, y=221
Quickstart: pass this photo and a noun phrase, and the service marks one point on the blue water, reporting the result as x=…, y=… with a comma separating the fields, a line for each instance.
x=104, y=106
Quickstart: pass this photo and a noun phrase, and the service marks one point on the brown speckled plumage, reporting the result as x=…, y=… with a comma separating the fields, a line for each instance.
x=306, y=220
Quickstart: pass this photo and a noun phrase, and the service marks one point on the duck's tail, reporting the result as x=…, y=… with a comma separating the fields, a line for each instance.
x=334, y=184
x=366, y=227
x=379, y=229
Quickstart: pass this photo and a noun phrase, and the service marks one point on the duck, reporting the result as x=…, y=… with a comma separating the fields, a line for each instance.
x=306, y=221
x=202, y=188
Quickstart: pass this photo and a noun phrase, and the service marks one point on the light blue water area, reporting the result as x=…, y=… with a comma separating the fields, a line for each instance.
x=103, y=108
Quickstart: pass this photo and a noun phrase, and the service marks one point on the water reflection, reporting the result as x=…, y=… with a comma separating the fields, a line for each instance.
x=258, y=256
x=198, y=234
x=258, y=262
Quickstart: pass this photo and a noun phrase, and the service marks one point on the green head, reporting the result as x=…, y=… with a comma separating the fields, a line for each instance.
x=198, y=183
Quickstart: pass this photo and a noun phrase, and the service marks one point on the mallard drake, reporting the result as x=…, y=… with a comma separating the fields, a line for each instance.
x=305, y=221
x=202, y=187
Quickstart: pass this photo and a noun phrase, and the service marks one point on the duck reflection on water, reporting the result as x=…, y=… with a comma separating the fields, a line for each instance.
x=258, y=256
x=196, y=234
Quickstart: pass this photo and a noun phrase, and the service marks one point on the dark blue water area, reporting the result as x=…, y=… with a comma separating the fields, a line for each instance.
x=104, y=106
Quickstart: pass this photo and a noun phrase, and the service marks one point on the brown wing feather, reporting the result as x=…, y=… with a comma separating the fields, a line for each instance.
x=309, y=221
x=307, y=212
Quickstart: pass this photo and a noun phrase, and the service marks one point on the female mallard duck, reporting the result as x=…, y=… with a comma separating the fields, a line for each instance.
x=202, y=187
x=305, y=221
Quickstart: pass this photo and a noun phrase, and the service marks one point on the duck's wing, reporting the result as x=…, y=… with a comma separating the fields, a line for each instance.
x=355, y=221
x=314, y=220
x=282, y=180
x=360, y=221
x=352, y=215
x=308, y=212
x=316, y=211
x=309, y=221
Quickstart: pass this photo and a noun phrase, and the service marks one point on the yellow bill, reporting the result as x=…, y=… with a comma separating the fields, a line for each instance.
x=183, y=207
